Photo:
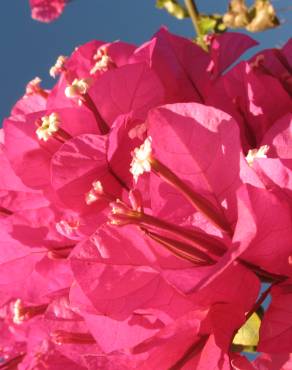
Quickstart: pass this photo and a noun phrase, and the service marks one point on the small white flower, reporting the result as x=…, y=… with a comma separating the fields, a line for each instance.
x=56, y=69
x=94, y=193
x=77, y=88
x=17, y=312
x=103, y=60
x=49, y=125
x=141, y=161
x=256, y=153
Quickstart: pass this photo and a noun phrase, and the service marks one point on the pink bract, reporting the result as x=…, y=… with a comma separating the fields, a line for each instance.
x=144, y=200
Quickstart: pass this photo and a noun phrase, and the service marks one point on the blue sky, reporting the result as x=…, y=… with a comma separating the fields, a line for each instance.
x=29, y=48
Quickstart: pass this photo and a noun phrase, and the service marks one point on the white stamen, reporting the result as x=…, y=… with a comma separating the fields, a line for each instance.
x=94, y=193
x=141, y=159
x=97, y=186
x=50, y=125
x=17, y=316
x=256, y=153
x=77, y=88
x=33, y=87
x=56, y=69
x=90, y=197
x=103, y=60
x=121, y=214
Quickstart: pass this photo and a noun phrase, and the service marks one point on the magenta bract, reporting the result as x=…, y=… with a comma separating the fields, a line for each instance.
x=144, y=199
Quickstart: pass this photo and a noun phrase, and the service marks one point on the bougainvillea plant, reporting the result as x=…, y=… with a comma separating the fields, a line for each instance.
x=145, y=201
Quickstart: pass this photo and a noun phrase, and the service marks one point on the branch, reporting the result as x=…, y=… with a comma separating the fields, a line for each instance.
x=194, y=14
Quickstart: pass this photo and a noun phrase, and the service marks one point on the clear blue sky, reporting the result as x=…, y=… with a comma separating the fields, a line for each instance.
x=29, y=48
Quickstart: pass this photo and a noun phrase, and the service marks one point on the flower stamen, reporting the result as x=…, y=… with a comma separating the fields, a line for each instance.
x=121, y=214
x=97, y=193
x=60, y=337
x=103, y=61
x=34, y=88
x=49, y=126
x=144, y=161
x=58, y=67
x=182, y=250
x=256, y=153
x=141, y=161
x=22, y=313
x=79, y=90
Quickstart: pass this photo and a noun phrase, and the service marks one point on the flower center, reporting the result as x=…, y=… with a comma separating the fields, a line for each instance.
x=49, y=125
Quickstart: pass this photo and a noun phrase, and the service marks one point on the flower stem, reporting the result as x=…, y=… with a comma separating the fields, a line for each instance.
x=264, y=275
x=194, y=14
x=260, y=301
x=196, y=200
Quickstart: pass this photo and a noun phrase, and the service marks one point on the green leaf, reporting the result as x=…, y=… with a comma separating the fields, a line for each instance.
x=207, y=24
x=248, y=335
x=211, y=23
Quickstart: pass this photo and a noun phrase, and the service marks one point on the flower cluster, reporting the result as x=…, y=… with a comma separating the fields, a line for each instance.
x=47, y=10
x=144, y=200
